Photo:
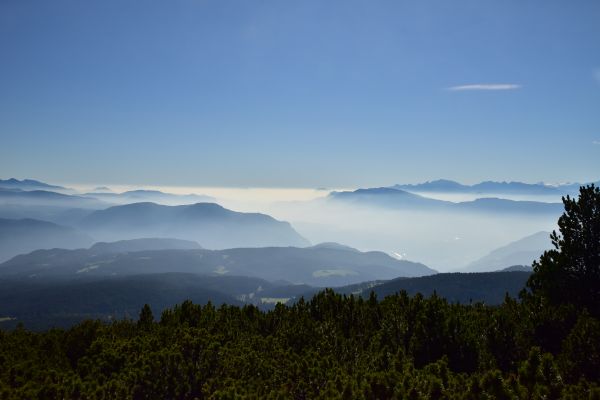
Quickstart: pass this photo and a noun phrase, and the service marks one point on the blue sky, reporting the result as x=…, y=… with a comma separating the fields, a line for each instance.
x=299, y=93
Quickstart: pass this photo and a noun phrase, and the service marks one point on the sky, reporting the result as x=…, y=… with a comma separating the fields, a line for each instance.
x=299, y=94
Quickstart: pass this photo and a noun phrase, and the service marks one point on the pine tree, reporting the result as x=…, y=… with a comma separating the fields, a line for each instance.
x=570, y=273
x=146, y=317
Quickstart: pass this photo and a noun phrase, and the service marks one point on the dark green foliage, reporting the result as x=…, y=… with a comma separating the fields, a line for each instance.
x=570, y=273
x=46, y=303
x=488, y=287
x=146, y=317
x=581, y=349
x=332, y=346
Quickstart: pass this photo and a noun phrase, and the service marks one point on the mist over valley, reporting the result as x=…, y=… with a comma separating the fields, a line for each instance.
x=114, y=250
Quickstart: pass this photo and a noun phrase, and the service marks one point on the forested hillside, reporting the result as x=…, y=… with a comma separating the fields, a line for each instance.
x=328, y=347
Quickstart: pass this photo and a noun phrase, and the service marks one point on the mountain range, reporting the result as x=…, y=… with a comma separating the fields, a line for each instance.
x=25, y=235
x=28, y=184
x=209, y=224
x=403, y=200
x=59, y=287
x=317, y=266
x=163, y=254
x=44, y=304
x=14, y=196
x=154, y=196
x=492, y=188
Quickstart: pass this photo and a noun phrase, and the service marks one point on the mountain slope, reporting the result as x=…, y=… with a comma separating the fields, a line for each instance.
x=495, y=205
x=24, y=235
x=487, y=287
x=47, y=198
x=313, y=266
x=209, y=224
x=155, y=196
x=402, y=200
x=28, y=184
x=389, y=198
x=437, y=186
x=486, y=188
x=522, y=268
x=40, y=305
x=521, y=252
x=145, y=244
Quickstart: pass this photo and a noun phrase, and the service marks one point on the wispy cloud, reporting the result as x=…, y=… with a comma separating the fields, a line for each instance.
x=596, y=142
x=596, y=74
x=486, y=86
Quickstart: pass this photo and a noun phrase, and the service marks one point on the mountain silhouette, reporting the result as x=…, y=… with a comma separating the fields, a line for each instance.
x=28, y=184
x=491, y=188
x=154, y=196
x=24, y=235
x=403, y=200
x=47, y=198
x=209, y=224
x=319, y=266
x=520, y=252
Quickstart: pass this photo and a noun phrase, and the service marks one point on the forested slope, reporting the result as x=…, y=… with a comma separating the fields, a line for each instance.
x=329, y=347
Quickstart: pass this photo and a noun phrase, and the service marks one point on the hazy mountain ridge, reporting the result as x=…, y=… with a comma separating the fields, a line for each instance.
x=60, y=215
x=402, y=199
x=314, y=266
x=520, y=252
x=209, y=224
x=521, y=268
x=143, y=244
x=155, y=196
x=28, y=184
x=492, y=187
x=48, y=198
x=19, y=236
x=389, y=197
x=400, y=205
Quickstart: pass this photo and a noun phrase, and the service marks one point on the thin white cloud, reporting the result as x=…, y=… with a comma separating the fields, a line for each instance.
x=597, y=74
x=596, y=142
x=486, y=86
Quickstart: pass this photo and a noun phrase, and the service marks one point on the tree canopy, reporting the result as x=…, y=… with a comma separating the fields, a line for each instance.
x=332, y=346
x=570, y=273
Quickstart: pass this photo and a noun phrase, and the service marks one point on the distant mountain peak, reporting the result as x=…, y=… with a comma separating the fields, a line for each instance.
x=148, y=195
x=517, y=268
x=207, y=223
x=207, y=205
x=334, y=246
x=486, y=187
x=103, y=189
x=375, y=191
x=28, y=184
x=380, y=190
